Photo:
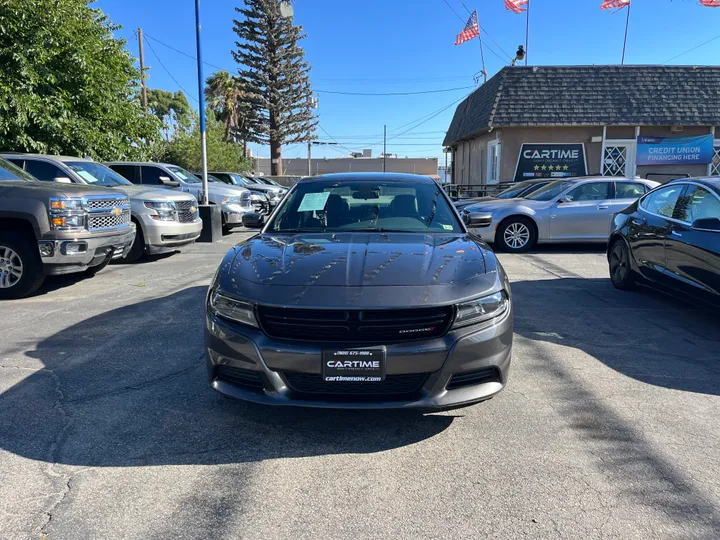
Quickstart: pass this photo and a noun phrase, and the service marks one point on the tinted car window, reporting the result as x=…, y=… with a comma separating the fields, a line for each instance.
x=184, y=175
x=151, y=175
x=97, y=174
x=9, y=171
x=629, y=190
x=593, y=191
x=42, y=170
x=550, y=191
x=366, y=206
x=662, y=201
x=697, y=203
x=127, y=171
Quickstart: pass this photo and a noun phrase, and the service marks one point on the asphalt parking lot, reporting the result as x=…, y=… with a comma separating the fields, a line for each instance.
x=609, y=427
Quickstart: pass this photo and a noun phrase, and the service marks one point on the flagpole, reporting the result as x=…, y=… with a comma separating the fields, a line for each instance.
x=627, y=23
x=482, y=54
x=527, y=31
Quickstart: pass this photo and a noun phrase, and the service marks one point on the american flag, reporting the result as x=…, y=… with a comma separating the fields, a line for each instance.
x=614, y=4
x=710, y=3
x=471, y=30
x=516, y=6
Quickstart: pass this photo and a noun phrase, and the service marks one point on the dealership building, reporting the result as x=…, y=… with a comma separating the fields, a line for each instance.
x=562, y=121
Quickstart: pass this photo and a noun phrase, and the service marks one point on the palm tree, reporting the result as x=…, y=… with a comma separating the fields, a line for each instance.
x=231, y=104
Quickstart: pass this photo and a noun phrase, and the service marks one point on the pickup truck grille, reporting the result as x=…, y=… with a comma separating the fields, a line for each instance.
x=107, y=212
x=355, y=326
x=185, y=215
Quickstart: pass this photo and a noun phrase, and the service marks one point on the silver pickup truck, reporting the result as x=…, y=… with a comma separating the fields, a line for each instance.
x=166, y=220
x=49, y=228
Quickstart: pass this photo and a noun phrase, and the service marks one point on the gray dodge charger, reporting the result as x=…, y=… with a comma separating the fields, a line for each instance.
x=361, y=291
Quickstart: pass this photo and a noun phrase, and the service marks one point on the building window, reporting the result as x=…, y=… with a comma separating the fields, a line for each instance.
x=715, y=163
x=618, y=160
x=493, y=162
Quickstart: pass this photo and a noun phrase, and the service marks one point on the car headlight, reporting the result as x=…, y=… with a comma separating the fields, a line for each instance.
x=230, y=201
x=481, y=309
x=232, y=309
x=67, y=213
x=164, y=210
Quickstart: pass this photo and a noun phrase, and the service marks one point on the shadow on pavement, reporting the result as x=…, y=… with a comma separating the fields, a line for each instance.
x=643, y=334
x=129, y=388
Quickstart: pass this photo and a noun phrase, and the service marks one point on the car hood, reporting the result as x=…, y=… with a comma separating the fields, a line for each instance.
x=149, y=194
x=359, y=269
x=262, y=187
x=57, y=189
x=223, y=190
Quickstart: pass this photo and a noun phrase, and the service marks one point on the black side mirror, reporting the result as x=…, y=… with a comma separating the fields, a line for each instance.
x=167, y=181
x=707, y=224
x=477, y=220
x=253, y=220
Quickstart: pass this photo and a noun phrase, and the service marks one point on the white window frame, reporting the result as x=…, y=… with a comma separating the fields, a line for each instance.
x=714, y=170
x=630, y=153
x=494, y=145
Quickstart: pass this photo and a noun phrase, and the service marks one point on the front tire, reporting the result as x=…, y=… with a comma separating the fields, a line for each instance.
x=516, y=235
x=92, y=270
x=138, y=248
x=621, y=273
x=21, y=269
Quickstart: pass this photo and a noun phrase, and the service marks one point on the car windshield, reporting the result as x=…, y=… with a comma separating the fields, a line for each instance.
x=184, y=175
x=239, y=180
x=550, y=191
x=97, y=174
x=366, y=206
x=515, y=191
x=9, y=171
x=268, y=181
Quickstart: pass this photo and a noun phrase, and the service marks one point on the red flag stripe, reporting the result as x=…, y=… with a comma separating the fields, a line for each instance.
x=516, y=6
x=614, y=4
x=471, y=30
x=710, y=3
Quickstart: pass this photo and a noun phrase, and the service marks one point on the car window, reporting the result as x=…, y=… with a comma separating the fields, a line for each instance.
x=382, y=206
x=97, y=174
x=184, y=175
x=42, y=170
x=592, y=191
x=662, y=201
x=550, y=191
x=515, y=191
x=10, y=171
x=126, y=171
x=697, y=203
x=151, y=175
x=629, y=190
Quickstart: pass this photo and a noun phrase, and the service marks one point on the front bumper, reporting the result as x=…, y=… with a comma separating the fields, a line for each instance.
x=486, y=233
x=77, y=252
x=264, y=367
x=164, y=236
x=232, y=215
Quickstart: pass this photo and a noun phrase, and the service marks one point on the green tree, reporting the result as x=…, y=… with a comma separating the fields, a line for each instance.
x=172, y=109
x=231, y=104
x=66, y=84
x=184, y=148
x=276, y=77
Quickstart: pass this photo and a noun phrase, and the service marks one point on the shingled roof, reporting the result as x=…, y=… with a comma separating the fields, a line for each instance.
x=590, y=96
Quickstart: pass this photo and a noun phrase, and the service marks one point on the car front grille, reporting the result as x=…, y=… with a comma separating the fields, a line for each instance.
x=355, y=326
x=260, y=206
x=107, y=212
x=106, y=204
x=184, y=211
x=471, y=378
x=108, y=221
x=394, y=387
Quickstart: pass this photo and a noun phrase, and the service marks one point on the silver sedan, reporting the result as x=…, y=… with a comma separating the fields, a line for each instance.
x=568, y=210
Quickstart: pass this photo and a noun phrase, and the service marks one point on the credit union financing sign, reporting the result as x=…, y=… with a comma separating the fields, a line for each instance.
x=548, y=160
x=675, y=150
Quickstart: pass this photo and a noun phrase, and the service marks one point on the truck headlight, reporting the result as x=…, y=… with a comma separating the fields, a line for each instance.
x=164, y=210
x=67, y=214
x=481, y=309
x=232, y=308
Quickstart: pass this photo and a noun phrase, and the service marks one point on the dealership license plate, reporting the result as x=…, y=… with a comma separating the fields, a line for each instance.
x=353, y=365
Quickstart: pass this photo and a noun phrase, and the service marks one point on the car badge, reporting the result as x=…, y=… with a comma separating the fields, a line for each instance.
x=116, y=211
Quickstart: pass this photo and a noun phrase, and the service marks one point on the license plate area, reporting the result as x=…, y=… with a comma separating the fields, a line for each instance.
x=365, y=365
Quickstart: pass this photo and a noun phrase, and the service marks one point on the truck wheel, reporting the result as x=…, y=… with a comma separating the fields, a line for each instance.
x=21, y=269
x=92, y=270
x=138, y=248
x=516, y=235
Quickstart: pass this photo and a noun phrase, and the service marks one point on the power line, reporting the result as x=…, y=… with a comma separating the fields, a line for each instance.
x=486, y=32
x=170, y=74
x=691, y=50
x=333, y=138
x=393, y=93
x=453, y=10
x=184, y=53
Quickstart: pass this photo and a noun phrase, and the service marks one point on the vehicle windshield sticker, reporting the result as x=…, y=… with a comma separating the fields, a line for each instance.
x=448, y=227
x=314, y=201
x=87, y=176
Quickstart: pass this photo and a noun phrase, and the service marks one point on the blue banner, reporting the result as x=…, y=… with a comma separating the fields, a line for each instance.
x=674, y=150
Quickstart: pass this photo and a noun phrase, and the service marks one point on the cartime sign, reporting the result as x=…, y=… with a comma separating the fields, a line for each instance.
x=674, y=150
x=550, y=160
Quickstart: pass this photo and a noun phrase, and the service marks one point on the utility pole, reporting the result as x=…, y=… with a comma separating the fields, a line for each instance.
x=201, y=99
x=384, y=145
x=309, y=157
x=142, y=70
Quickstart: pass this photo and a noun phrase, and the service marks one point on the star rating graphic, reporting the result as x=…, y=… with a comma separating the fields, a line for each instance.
x=536, y=168
x=544, y=167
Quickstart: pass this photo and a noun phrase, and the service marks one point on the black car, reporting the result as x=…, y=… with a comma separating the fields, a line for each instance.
x=516, y=191
x=670, y=238
x=361, y=291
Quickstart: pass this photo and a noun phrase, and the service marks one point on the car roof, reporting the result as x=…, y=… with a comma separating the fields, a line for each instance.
x=712, y=182
x=369, y=177
x=141, y=163
x=48, y=157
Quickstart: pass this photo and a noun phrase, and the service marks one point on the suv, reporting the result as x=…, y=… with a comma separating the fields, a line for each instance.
x=234, y=201
x=274, y=194
x=260, y=202
x=56, y=229
x=165, y=219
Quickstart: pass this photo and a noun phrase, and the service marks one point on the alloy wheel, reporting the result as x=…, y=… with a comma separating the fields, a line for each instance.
x=11, y=268
x=618, y=267
x=516, y=235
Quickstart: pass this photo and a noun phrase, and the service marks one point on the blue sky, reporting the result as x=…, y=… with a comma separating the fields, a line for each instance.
x=379, y=46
